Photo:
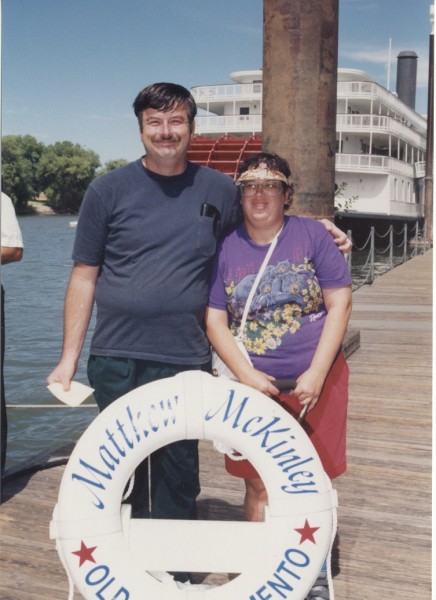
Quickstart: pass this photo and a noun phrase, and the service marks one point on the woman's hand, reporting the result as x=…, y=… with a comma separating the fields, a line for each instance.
x=259, y=381
x=222, y=340
x=309, y=387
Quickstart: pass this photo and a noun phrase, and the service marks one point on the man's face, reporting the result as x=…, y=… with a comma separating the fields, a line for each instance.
x=166, y=135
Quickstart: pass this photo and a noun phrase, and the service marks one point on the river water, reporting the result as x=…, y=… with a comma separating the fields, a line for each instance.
x=35, y=289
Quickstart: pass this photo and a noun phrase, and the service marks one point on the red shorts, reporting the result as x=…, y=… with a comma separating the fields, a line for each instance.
x=325, y=424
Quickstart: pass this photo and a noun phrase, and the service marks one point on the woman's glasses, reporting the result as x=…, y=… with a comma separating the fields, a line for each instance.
x=269, y=188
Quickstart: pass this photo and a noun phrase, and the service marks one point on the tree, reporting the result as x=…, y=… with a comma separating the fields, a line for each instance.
x=20, y=159
x=343, y=204
x=113, y=164
x=66, y=170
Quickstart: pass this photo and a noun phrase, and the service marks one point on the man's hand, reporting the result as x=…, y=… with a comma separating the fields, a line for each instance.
x=340, y=238
x=63, y=373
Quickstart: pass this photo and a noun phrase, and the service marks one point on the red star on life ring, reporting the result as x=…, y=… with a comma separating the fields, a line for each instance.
x=307, y=532
x=85, y=553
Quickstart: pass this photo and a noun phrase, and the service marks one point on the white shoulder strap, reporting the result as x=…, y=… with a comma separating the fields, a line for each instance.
x=256, y=282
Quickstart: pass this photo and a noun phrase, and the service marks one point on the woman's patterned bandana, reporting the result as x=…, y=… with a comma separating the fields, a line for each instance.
x=261, y=172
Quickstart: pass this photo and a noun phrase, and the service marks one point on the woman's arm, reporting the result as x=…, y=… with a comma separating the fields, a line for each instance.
x=338, y=303
x=224, y=344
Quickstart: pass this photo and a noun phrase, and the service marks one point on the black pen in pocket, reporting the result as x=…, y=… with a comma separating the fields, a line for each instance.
x=211, y=211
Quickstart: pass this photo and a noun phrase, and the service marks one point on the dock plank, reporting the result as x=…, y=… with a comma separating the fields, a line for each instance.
x=383, y=548
x=385, y=496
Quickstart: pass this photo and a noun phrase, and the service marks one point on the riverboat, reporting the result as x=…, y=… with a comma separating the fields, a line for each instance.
x=380, y=140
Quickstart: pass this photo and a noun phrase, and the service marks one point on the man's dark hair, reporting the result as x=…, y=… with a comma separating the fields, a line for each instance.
x=271, y=160
x=164, y=97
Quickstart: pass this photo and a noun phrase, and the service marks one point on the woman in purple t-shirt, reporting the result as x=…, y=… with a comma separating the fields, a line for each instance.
x=297, y=318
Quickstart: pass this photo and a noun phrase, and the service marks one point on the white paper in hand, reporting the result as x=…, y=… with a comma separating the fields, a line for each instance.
x=77, y=393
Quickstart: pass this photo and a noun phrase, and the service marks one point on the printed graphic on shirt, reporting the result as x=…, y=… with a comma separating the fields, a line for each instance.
x=288, y=294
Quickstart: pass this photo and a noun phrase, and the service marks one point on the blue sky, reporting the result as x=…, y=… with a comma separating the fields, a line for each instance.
x=72, y=68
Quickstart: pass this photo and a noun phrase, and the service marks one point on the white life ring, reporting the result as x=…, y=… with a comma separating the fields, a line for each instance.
x=111, y=557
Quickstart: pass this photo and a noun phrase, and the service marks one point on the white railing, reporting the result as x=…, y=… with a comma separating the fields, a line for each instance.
x=374, y=163
x=379, y=123
x=210, y=93
x=227, y=124
x=345, y=89
x=359, y=89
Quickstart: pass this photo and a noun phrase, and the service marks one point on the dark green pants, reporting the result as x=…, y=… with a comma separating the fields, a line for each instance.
x=167, y=483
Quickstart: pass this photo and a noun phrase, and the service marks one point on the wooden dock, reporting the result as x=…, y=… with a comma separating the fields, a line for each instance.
x=384, y=542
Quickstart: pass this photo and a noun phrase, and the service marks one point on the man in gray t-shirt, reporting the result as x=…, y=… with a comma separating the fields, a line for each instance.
x=146, y=235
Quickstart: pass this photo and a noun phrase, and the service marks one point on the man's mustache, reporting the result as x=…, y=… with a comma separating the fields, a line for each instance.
x=167, y=138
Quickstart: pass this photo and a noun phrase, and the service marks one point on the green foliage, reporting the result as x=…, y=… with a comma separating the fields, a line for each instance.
x=112, y=164
x=62, y=171
x=343, y=204
x=20, y=159
x=65, y=171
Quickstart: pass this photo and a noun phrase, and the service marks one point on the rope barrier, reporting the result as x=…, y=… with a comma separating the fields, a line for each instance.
x=372, y=267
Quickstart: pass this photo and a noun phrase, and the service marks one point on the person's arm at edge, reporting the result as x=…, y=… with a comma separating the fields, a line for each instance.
x=223, y=342
x=79, y=301
x=11, y=254
x=338, y=302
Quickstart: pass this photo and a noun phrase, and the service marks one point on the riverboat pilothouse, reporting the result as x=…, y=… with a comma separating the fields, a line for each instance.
x=380, y=139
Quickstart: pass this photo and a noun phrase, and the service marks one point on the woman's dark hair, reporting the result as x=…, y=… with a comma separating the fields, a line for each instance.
x=164, y=97
x=271, y=160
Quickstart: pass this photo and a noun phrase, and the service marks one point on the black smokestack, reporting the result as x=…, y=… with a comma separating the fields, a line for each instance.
x=406, y=77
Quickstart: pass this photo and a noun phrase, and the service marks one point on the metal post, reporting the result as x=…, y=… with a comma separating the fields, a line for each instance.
x=391, y=246
x=371, y=255
x=424, y=235
x=300, y=59
x=405, y=243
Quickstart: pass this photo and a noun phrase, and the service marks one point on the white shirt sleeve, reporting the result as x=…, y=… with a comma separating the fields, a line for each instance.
x=11, y=233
